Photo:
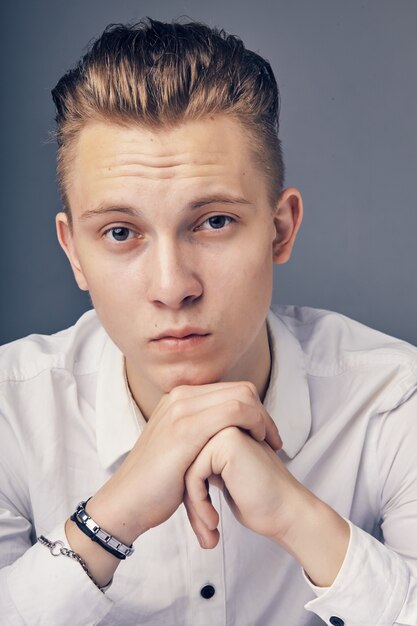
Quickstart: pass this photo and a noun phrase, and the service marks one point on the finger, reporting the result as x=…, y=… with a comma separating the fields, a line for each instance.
x=187, y=400
x=184, y=392
x=203, y=516
x=233, y=412
x=242, y=392
x=234, y=404
x=272, y=436
x=201, y=502
x=207, y=537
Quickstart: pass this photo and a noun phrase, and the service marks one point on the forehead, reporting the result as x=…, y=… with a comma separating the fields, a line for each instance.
x=210, y=153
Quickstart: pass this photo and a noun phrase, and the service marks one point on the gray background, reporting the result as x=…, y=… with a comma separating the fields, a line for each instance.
x=347, y=71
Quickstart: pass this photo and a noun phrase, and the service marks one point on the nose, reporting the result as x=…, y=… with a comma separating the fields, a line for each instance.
x=173, y=279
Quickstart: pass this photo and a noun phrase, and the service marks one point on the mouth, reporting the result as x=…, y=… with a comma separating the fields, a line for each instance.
x=182, y=333
x=180, y=340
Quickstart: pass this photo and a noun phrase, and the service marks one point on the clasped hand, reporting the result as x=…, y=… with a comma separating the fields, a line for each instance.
x=217, y=432
x=253, y=479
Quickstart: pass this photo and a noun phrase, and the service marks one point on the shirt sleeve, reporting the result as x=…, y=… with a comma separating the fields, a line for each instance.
x=35, y=586
x=377, y=582
x=39, y=588
x=370, y=588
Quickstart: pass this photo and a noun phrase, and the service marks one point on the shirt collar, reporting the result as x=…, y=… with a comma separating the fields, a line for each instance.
x=120, y=422
x=288, y=399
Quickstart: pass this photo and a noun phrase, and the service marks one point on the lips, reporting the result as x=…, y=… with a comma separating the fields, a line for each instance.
x=180, y=333
x=174, y=342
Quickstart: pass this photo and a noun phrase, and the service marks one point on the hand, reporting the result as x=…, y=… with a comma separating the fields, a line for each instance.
x=256, y=484
x=266, y=498
x=149, y=485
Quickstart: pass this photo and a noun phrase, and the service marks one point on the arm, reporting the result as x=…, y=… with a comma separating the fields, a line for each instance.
x=355, y=576
x=387, y=570
x=266, y=498
x=143, y=493
x=181, y=425
x=34, y=586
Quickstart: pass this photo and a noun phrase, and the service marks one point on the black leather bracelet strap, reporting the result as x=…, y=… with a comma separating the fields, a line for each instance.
x=90, y=528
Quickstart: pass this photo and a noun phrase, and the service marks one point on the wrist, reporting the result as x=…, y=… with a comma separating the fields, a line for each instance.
x=93, y=531
x=113, y=517
x=298, y=502
x=100, y=563
x=316, y=536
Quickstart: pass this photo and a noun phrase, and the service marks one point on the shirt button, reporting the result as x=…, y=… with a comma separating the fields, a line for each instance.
x=207, y=592
x=336, y=621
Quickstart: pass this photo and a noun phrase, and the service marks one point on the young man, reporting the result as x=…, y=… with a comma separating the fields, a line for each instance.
x=159, y=411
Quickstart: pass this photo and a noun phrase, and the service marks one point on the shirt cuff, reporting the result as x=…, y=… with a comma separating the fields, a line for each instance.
x=370, y=588
x=47, y=589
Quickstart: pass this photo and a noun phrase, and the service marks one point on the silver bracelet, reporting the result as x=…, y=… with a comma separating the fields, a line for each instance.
x=90, y=528
x=56, y=548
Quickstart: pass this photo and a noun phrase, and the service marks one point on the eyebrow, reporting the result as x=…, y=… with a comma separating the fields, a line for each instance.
x=103, y=209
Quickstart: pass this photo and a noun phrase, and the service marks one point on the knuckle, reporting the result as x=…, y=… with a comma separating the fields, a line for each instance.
x=229, y=433
x=249, y=390
x=234, y=406
x=177, y=410
x=252, y=387
x=177, y=392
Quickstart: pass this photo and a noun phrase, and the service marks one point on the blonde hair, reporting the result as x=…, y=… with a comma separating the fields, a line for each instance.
x=157, y=75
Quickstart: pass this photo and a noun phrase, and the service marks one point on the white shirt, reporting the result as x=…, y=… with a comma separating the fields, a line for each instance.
x=344, y=399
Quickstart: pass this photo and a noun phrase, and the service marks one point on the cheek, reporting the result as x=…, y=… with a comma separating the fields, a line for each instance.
x=246, y=275
x=110, y=275
x=114, y=293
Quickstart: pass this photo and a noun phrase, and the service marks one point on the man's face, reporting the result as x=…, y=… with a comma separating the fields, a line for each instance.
x=173, y=232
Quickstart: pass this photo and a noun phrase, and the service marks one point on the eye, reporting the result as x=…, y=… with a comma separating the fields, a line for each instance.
x=217, y=222
x=119, y=233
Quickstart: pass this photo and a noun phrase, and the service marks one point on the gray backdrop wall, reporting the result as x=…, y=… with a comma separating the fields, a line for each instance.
x=347, y=71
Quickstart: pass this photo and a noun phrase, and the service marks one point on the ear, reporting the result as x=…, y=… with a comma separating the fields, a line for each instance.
x=66, y=240
x=287, y=221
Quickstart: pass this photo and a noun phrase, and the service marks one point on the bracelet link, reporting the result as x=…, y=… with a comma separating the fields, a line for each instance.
x=52, y=545
x=90, y=528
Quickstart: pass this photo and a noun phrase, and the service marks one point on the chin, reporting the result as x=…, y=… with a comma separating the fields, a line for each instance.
x=189, y=376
